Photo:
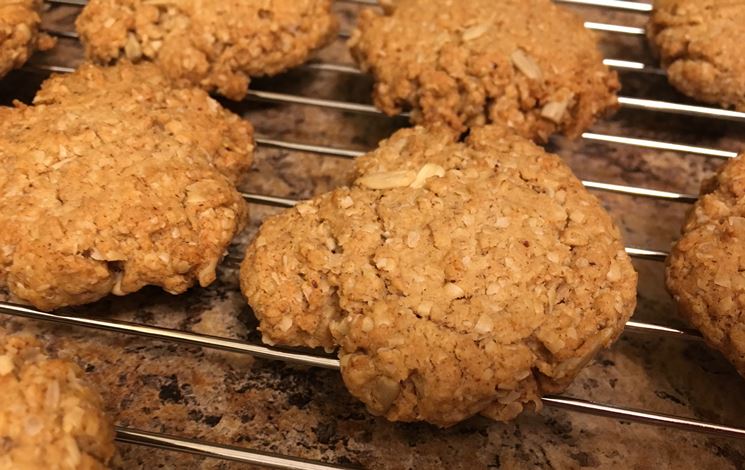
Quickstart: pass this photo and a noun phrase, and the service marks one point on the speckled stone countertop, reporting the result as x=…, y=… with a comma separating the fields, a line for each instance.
x=303, y=412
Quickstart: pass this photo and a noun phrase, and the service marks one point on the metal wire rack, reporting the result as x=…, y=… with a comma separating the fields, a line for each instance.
x=245, y=455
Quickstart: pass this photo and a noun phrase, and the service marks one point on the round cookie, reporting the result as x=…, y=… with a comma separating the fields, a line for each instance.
x=526, y=64
x=19, y=33
x=706, y=269
x=456, y=277
x=699, y=43
x=214, y=44
x=113, y=181
x=49, y=416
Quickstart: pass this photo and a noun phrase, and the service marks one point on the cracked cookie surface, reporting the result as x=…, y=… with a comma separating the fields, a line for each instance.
x=214, y=44
x=527, y=64
x=456, y=278
x=113, y=181
x=699, y=43
x=50, y=417
x=19, y=33
x=706, y=269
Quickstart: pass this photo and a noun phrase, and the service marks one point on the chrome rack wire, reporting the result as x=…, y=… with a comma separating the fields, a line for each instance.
x=639, y=253
x=301, y=358
x=238, y=454
x=236, y=346
x=613, y=63
x=617, y=4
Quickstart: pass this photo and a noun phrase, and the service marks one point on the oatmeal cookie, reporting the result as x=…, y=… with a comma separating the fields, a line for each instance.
x=19, y=33
x=113, y=181
x=706, y=269
x=214, y=44
x=527, y=64
x=49, y=416
x=456, y=277
x=699, y=42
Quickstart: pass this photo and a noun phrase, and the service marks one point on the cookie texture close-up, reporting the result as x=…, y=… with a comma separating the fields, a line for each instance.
x=699, y=43
x=50, y=417
x=112, y=181
x=214, y=44
x=457, y=278
x=19, y=33
x=527, y=64
x=706, y=270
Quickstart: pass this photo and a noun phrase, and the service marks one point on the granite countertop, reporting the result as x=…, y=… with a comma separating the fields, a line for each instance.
x=304, y=412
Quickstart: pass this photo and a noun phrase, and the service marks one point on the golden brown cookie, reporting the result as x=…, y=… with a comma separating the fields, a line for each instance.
x=700, y=44
x=527, y=64
x=214, y=44
x=456, y=277
x=19, y=33
x=706, y=269
x=50, y=417
x=113, y=181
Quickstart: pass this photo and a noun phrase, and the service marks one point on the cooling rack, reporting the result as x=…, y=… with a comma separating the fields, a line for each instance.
x=245, y=455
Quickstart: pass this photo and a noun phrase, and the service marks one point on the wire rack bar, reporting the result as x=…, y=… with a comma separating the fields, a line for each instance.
x=220, y=451
x=649, y=255
x=272, y=201
x=627, y=102
x=624, y=101
x=274, y=97
x=613, y=63
x=608, y=187
x=652, y=329
x=61, y=34
x=634, y=66
x=654, y=144
x=69, y=3
x=615, y=28
x=616, y=4
x=318, y=149
x=637, y=7
x=286, y=203
x=224, y=344
x=166, y=334
x=285, y=98
x=684, y=109
x=591, y=25
x=236, y=346
x=641, y=192
x=645, y=417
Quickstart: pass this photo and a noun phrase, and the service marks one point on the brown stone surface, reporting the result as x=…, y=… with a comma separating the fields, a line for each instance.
x=309, y=413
